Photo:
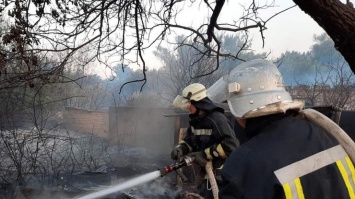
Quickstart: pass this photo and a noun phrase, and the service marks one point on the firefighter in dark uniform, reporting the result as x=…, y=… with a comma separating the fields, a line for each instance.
x=209, y=136
x=286, y=156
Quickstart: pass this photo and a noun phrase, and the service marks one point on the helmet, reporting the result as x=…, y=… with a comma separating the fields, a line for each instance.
x=193, y=92
x=256, y=88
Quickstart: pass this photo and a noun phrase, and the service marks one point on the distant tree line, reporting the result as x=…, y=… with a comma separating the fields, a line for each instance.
x=321, y=76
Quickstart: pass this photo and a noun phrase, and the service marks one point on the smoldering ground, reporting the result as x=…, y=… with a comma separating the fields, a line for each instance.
x=63, y=163
x=70, y=163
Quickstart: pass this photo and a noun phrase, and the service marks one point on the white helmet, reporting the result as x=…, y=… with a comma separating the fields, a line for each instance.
x=193, y=92
x=253, y=89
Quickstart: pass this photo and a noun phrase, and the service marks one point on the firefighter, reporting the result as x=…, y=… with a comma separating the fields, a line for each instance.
x=286, y=156
x=209, y=136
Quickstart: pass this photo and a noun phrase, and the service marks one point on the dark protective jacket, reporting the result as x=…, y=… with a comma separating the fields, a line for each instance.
x=287, y=157
x=210, y=133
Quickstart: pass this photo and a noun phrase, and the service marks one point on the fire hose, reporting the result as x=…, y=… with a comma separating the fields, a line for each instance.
x=212, y=179
x=333, y=129
x=187, y=161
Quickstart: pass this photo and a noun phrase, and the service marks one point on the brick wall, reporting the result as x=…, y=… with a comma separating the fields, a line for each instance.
x=87, y=121
x=150, y=128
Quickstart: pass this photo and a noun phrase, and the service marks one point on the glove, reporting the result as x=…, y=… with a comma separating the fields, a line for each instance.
x=200, y=157
x=176, y=153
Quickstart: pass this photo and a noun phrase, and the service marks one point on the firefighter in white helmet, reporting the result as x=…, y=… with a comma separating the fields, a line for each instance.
x=286, y=156
x=209, y=136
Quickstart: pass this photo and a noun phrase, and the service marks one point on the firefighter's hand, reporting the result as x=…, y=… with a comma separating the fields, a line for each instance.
x=176, y=153
x=200, y=157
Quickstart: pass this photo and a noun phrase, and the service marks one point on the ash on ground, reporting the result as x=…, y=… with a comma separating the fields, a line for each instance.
x=130, y=164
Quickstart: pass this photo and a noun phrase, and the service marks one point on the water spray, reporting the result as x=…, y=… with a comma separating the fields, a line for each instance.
x=187, y=161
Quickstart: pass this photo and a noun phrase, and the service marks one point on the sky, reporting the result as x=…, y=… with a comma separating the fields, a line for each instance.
x=292, y=30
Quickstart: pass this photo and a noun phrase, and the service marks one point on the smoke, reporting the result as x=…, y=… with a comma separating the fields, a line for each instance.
x=41, y=194
x=160, y=188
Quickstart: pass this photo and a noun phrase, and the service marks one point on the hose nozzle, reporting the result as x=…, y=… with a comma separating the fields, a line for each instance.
x=187, y=161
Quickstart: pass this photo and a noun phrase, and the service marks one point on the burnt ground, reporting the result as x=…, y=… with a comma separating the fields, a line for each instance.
x=72, y=185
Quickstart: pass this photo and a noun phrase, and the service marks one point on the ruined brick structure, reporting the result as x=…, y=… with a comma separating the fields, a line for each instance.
x=84, y=121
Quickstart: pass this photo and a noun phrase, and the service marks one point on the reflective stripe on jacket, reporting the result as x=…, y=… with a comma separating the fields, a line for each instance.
x=213, y=134
x=287, y=157
x=291, y=175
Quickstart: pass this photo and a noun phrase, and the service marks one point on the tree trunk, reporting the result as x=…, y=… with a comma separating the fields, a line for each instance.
x=338, y=21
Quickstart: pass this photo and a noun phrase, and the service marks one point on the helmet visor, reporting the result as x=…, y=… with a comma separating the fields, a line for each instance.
x=181, y=102
x=218, y=92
